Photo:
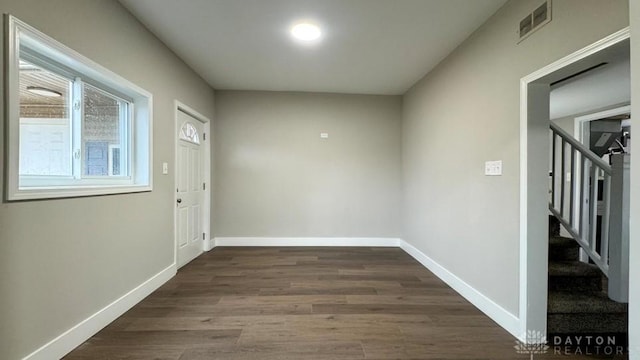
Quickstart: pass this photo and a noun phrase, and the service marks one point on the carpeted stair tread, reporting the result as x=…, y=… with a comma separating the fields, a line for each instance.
x=576, y=302
x=572, y=303
x=574, y=276
x=573, y=268
x=587, y=323
x=563, y=249
x=562, y=242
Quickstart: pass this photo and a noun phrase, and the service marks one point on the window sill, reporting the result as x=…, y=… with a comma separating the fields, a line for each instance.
x=65, y=192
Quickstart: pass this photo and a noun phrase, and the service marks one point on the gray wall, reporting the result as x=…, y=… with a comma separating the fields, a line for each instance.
x=465, y=112
x=275, y=176
x=63, y=260
x=634, y=223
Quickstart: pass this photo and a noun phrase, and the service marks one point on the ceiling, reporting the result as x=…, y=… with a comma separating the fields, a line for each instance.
x=368, y=46
x=601, y=87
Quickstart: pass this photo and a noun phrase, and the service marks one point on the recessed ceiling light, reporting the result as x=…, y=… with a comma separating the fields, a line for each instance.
x=43, y=91
x=306, y=32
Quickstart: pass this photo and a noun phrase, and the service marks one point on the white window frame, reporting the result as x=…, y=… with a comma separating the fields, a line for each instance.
x=140, y=159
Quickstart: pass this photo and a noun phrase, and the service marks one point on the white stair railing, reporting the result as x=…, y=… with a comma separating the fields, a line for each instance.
x=583, y=200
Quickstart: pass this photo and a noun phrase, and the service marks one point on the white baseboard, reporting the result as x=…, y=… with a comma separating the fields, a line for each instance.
x=209, y=244
x=306, y=241
x=497, y=313
x=70, y=339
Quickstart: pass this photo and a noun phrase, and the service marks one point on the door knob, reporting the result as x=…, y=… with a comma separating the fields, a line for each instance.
x=179, y=201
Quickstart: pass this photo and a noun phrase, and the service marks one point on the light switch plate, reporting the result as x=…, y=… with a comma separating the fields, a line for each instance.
x=493, y=168
x=165, y=168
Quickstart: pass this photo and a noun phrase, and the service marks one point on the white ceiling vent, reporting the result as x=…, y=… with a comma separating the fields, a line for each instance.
x=535, y=20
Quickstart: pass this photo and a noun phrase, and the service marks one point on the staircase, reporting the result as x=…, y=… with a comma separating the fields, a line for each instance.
x=577, y=303
x=588, y=272
x=589, y=197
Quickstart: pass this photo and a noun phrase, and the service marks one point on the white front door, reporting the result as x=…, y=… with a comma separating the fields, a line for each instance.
x=190, y=188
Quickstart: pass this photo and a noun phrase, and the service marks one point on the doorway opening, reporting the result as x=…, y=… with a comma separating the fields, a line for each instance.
x=535, y=155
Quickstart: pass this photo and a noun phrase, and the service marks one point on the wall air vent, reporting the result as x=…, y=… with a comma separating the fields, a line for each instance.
x=535, y=20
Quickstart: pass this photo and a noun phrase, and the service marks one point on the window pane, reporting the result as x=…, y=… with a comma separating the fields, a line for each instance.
x=189, y=133
x=45, y=123
x=103, y=133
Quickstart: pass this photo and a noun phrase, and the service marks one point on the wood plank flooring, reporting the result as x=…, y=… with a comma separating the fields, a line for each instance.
x=304, y=303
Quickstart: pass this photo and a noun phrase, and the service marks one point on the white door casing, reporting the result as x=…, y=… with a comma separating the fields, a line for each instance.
x=190, y=188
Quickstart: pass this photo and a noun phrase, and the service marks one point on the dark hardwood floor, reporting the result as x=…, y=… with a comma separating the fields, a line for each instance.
x=304, y=303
